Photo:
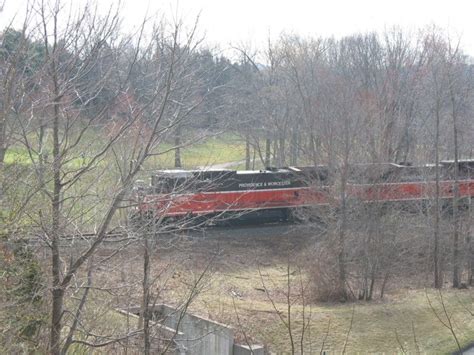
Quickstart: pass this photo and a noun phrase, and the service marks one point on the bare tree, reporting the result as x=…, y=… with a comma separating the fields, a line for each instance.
x=438, y=105
x=71, y=107
x=459, y=79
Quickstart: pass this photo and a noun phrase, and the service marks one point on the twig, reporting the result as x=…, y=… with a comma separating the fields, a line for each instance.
x=447, y=324
x=415, y=340
x=325, y=337
x=349, y=330
x=240, y=326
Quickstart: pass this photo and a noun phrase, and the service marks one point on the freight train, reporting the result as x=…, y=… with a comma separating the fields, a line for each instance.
x=276, y=193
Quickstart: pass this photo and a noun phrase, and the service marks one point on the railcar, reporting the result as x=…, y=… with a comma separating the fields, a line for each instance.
x=275, y=193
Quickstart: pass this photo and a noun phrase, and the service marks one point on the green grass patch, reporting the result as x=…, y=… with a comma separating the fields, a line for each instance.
x=17, y=155
x=210, y=151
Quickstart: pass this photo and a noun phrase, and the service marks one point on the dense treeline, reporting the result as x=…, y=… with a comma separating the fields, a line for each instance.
x=289, y=102
x=384, y=89
x=84, y=108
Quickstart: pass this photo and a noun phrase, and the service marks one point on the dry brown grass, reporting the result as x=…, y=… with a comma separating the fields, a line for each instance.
x=248, y=273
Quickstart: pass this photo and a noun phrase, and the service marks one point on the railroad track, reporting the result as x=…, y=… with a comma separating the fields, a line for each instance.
x=240, y=232
x=43, y=240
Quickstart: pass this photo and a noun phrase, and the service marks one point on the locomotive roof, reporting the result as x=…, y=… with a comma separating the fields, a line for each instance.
x=184, y=172
x=263, y=171
x=299, y=169
x=459, y=161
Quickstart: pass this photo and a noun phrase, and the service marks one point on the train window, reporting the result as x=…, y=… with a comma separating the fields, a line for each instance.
x=161, y=186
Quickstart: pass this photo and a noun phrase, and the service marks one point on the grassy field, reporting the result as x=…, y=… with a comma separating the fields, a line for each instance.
x=388, y=326
x=243, y=267
x=215, y=149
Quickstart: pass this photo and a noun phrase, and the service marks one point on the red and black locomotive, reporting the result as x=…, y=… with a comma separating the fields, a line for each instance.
x=274, y=193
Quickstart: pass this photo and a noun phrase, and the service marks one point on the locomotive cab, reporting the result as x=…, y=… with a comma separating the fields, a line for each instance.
x=465, y=166
x=168, y=181
x=186, y=181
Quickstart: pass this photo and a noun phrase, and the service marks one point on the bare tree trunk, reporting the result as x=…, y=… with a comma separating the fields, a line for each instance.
x=470, y=241
x=281, y=150
x=471, y=261
x=254, y=158
x=268, y=153
x=294, y=147
x=363, y=292
x=247, y=152
x=372, y=282
x=456, y=271
x=407, y=135
x=344, y=210
x=312, y=149
x=3, y=146
x=384, y=284
x=342, y=233
x=57, y=290
x=177, y=144
x=146, y=297
x=275, y=152
x=341, y=252
x=436, y=261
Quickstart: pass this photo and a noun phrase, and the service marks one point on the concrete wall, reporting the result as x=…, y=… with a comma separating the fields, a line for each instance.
x=240, y=349
x=196, y=335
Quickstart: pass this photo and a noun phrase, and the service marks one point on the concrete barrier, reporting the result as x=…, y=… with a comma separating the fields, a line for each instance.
x=199, y=335
x=193, y=335
x=240, y=349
